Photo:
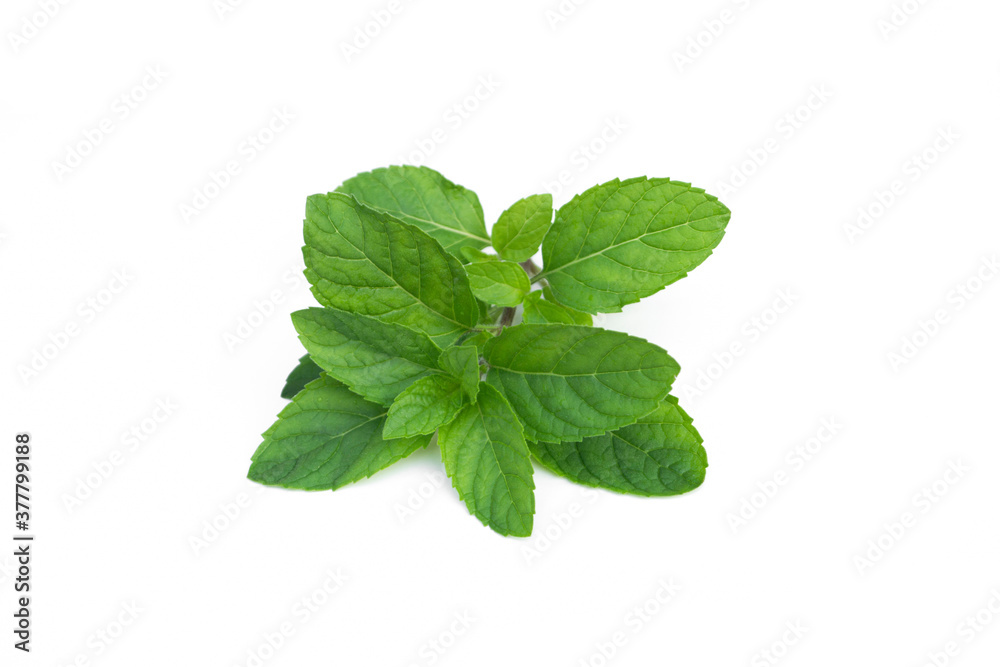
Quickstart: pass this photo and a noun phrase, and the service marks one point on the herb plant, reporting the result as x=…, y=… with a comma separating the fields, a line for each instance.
x=419, y=334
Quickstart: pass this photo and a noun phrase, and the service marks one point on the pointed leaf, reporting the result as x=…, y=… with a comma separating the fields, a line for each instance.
x=305, y=372
x=521, y=228
x=619, y=242
x=375, y=359
x=325, y=438
x=462, y=361
x=570, y=382
x=422, y=197
x=540, y=311
x=660, y=455
x=364, y=261
x=498, y=282
x=428, y=403
x=488, y=461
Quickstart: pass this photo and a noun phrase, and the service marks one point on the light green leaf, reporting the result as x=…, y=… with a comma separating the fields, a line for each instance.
x=325, y=438
x=474, y=255
x=660, y=455
x=364, y=261
x=521, y=228
x=540, y=311
x=422, y=197
x=619, y=242
x=498, y=282
x=570, y=382
x=428, y=403
x=375, y=359
x=305, y=372
x=462, y=361
x=488, y=461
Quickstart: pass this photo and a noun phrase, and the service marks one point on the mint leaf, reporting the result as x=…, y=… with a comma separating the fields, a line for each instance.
x=539, y=311
x=363, y=261
x=375, y=359
x=499, y=282
x=570, y=382
x=487, y=459
x=619, y=242
x=475, y=255
x=428, y=403
x=325, y=438
x=462, y=361
x=305, y=372
x=424, y=198
x=520, y=230
x=660, y=455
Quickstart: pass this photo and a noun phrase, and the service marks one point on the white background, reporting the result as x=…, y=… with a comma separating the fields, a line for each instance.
x=559, y=82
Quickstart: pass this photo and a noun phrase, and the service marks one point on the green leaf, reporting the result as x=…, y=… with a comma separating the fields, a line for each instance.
x=428, y=403
x=474, y=255
x=326, y=438
x=462, y=361
x=498, y=282
x=422, y=197
x=305, y=372
x=660, y=455
x=487, y=459
x=619, y=242
x=521, y=228
x=570, y=382
x=364, y=261
x=375, y=359
x=540, y=311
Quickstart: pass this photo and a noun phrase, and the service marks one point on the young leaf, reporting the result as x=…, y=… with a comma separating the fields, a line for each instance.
x=521, y=228
x=570, y=382
x=363, y=261
x=462, y=361
x=475, y=255
x=305, y=372
x=488, y=461
x=424, y=198
x=540, y=311
x=428, y=403
x=619, y=242
x=325, y=438
x=375, y=359
x=660, y=455
x=499, y=282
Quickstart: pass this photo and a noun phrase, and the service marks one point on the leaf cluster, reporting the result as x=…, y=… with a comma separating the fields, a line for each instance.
x=423, y=331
